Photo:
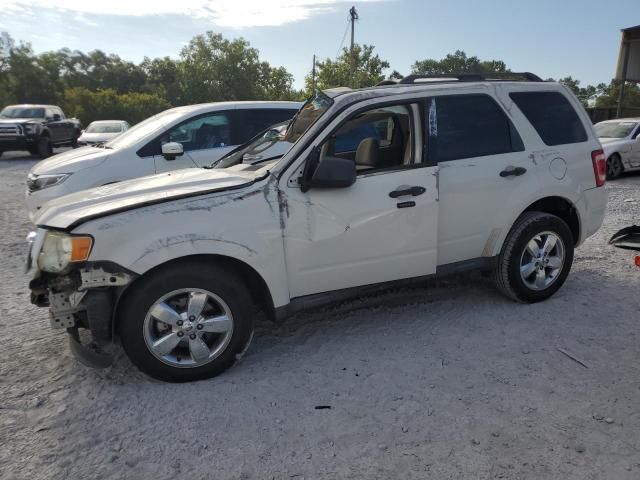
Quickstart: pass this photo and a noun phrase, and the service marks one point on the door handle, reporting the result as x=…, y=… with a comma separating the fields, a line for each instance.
x=513, y=171
x=413, y=191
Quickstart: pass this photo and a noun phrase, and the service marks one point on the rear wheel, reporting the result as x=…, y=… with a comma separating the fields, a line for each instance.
x=44, y=149
x=536, y=258
x=614, y=167
x=187, y=322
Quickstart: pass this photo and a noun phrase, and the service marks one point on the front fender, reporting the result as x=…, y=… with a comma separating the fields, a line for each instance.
x=243, y=225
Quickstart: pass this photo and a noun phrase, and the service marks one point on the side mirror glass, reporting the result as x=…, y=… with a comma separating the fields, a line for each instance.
x=171, y=150
x=331, y=172
x=56, y=117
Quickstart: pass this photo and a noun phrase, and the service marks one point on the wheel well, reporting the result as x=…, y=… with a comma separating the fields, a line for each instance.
x=560, y=207
x=254, y=281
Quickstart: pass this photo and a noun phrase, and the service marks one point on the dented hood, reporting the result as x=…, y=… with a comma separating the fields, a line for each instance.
x=71, y=210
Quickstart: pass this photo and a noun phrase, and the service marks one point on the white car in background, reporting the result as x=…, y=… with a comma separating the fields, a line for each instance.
x=182, y=137
x=620, y=141
x=102, y=131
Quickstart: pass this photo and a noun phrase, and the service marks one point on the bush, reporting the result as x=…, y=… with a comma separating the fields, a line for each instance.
x=108, y=104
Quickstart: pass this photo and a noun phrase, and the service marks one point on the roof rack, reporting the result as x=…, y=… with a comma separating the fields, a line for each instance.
x=465, y=77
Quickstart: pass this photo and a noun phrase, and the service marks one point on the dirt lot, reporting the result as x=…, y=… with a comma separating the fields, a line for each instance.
x=447, y=382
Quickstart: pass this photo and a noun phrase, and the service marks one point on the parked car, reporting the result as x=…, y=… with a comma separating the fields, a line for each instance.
x=194, y=136
x=620, y=141
x=501, y=176
x=36, y=128
x=102, y=131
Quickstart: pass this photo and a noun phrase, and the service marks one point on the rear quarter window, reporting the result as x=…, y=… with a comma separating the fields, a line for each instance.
x=552, y=116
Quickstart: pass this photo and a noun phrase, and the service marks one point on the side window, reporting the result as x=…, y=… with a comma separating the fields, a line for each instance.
x=470, y=126
x=374, y=139
x=208, y=131
x=552, y=116
x=252, y=121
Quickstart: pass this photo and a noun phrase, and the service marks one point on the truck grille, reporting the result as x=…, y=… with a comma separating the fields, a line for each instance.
x=11, y=130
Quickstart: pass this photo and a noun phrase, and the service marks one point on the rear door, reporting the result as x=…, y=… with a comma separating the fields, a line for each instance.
x=483, y=167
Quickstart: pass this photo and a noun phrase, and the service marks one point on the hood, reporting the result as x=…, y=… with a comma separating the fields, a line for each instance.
x=13, y=121
x=610, y=145
x=97, y=137
x=72, y=161
x=70, y=210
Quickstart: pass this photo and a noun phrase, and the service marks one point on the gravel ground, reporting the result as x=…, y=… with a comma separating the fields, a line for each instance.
x=445, y=381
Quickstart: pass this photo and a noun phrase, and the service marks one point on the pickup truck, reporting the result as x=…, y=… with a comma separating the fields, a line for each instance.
x=37, y=129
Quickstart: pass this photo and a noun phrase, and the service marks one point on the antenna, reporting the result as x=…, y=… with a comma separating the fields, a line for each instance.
x=353, y=13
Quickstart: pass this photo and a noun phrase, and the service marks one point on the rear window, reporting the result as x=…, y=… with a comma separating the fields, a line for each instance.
x=471, y=126
x=553, y=117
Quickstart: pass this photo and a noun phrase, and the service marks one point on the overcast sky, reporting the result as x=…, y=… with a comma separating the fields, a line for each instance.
x=551, y=38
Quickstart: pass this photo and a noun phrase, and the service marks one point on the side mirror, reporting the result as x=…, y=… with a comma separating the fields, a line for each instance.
x=56, y=117
x=331, y=172
x=171, y=150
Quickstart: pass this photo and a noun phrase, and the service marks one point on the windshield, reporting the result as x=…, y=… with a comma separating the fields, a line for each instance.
x=277, y=140
x=615, y=129
x=104, y=128
x=22, y=112
x=144, y=129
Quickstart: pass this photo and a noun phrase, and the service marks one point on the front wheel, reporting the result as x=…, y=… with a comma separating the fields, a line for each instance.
x=614, y=167
x=187, y=322
x=44, y=149
x=536, y=258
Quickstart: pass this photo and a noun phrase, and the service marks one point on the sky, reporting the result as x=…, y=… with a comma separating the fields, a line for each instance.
x=552, y=38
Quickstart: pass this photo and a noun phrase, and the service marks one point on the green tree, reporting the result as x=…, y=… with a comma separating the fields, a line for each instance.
x=609, y=95
x=458, y=62
x=369, y=70
x=212, y=69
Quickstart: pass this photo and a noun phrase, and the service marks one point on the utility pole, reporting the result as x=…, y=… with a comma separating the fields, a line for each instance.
x=354, y=16
x=313, y=75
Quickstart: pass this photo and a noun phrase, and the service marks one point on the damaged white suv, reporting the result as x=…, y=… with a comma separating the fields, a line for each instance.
x=377, y=187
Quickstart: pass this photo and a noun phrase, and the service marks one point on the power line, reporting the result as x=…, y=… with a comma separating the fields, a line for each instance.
x=344, y=37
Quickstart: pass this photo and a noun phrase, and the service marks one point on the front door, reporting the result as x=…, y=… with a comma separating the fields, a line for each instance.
x=382, y=228
x=204, y=138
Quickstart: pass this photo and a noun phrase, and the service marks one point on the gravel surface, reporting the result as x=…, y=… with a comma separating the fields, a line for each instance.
x=444, y=381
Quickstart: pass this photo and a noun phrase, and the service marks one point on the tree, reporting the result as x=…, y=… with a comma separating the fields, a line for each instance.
x=213, y=69
x=369, y=70
x=458, y=62
x=609, y=95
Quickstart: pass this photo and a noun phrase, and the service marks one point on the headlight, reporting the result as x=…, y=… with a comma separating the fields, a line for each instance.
x=38, y=182
x=60, y=249
x=32, y=128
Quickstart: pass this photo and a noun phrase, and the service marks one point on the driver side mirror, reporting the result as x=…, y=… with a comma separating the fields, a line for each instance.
x=171, y=150
x=331, y=172
x=56, y=117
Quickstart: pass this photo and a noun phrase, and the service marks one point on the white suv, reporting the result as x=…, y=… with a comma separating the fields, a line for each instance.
x=182, y=137
x=377, y=186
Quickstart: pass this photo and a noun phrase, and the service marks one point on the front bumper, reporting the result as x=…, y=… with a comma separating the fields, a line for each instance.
x=83, y=299
x=19, y=142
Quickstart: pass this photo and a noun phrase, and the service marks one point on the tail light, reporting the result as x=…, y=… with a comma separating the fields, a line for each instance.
x=599, y=167
x=637, y=260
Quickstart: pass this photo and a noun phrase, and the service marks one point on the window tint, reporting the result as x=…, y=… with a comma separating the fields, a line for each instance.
x=471, y=126
x=374, y=139
x=253, y=121
x=208, y=131
x=552, y=116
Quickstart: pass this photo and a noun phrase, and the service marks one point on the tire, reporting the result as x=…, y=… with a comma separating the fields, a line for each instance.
x=44, y=149
x=513, y=274
x=614, y=167
x=178, y=286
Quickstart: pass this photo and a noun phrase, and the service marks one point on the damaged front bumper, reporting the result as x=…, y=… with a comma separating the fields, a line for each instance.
x=83, y=299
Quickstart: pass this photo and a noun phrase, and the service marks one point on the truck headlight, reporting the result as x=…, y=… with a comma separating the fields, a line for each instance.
x=60, y=249
x=32, y=128
x=38, y=182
